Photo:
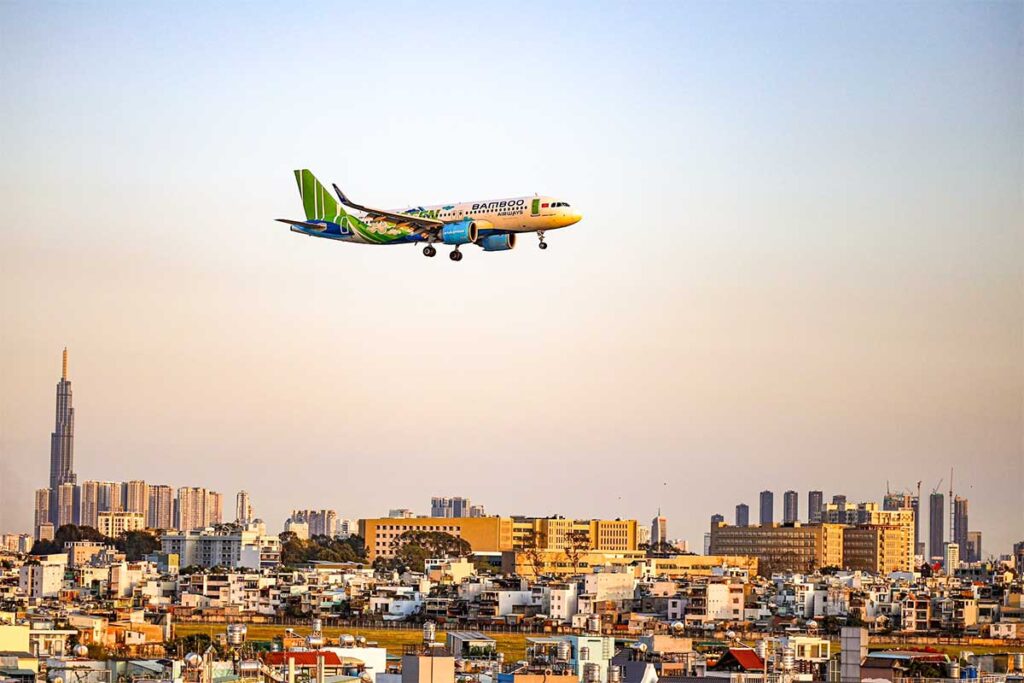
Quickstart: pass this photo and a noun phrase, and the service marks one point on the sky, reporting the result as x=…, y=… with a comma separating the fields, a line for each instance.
x=800, y=264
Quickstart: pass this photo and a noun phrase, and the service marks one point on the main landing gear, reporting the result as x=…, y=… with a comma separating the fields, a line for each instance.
x=540, y=236
x=456, y=255
x=429, y=251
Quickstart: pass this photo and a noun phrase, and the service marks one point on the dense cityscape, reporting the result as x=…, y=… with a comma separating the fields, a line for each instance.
x=138, y=580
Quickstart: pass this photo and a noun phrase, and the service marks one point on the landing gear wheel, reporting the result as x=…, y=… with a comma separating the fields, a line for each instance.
x=543, y=245
x=540, y=236
x=455, y=255
x=429, y=251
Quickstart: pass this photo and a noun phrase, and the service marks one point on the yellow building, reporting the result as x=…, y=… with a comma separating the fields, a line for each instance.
x=687, y=566
x=877, y=548
x=789, y=548
x=500, y=534
x=113, y=524
x=484, y=534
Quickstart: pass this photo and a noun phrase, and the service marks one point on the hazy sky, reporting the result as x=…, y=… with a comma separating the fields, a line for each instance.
x=801, y=262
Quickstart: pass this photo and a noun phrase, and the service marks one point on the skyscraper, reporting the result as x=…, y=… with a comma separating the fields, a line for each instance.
x=62, y=445
x=65, y=505
x=717, y=519
x=136, y=497
x=936, y=515
x=767, y=507
x=243, y=508
x=189, y=509
x=89, y=505
x=450, y=507
x=790, y=507
x=815, y=500
x=659, y=530
x=959, y=532
x=974, y=546
x=742, y=515
x=213, y=511
x=839, y=499
x=160, y=512
x=42, y=510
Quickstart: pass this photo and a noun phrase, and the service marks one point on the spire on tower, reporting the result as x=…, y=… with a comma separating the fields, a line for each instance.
x=64, y=365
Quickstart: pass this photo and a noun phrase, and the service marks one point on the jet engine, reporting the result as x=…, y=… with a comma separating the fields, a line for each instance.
x=498, y=242
x=460, y=232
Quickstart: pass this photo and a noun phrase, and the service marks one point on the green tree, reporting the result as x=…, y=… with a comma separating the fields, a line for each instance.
x=137, y=544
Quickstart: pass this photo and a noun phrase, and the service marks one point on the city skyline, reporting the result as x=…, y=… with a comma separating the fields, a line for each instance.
x=799, y=269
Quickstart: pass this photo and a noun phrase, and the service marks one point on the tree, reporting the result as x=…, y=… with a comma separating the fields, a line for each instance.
x=296, y=551
x=532, y=550
x=577, y=542
x=412, y=548
x=137, y=544
x=68, y=533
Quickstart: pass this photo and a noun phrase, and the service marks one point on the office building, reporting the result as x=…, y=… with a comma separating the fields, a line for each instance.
x=717, y=519
x=659, y=530
x=960, y=526
x=767, y=508
x=839, y=499
x=62, y=448
x=136, y=497
x=815, y=502
x=117, y=522
x=973, y=553
x=243, y=508
x=160, y=511
x=936, y=517
x=793, y=548
x=878, y=548
x=450, y=507
x=742, y=515
x=790, y=507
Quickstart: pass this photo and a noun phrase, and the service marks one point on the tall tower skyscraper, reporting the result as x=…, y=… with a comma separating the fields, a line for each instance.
x=742, y=515
x=62, y=442
x=160, y=514
x=767, y=507
x=959, y=531
x=659, y=530
x=936, y=516
x=815, y=501
x=790, y=507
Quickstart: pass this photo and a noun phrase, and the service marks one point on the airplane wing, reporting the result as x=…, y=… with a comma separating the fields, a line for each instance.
x=419, y=224
x=303, y=224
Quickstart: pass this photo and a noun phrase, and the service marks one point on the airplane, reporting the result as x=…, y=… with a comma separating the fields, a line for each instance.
x=491, y=225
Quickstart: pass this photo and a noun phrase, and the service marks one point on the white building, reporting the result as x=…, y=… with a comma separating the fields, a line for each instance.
x=113, y=524
x=41, y=580
x=208, y=548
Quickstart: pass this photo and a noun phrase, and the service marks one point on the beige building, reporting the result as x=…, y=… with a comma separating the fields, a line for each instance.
x=113, y=524
x=877, y=548
x=484, y=534
x=795, y=548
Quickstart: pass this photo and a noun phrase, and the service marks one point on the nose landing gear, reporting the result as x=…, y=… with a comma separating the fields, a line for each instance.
x=540, y=236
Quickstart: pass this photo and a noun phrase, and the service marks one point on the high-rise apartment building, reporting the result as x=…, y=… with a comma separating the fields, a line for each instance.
x=136, y=497
x=243, y=508
x=908, y=501
x=960, y=526
x=320, y=522
x=790, y=507
x=742, y=515
x=936, y=517
x=214, y=510
x=42, y=510
x=160, y=511
x=89, y=505
x=767, y=508
x=62, y=447
x=951, y=558
x=815, y=501
x=66, y=494
x=110, y=496
x=193, y=508
x=973, y=546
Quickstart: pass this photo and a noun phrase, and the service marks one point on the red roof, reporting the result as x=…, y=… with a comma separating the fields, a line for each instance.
x=301, y=658
x=747, y=658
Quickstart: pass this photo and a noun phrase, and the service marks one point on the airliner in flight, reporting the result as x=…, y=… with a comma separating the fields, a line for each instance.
x=491, y=225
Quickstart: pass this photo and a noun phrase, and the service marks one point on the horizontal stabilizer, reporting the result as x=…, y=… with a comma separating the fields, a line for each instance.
x=320, y=227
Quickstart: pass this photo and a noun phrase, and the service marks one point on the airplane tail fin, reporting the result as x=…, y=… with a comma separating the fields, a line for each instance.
x=317, y=202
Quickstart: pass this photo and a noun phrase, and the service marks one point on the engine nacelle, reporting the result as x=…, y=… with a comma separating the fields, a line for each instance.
x=498, y=242
x=461, y=232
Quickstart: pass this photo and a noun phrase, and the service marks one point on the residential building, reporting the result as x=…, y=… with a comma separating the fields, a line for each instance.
x=960, y=524
x=115, y=523
x=243, y=508
x=65, y=513
x=42, y=510
x=197, y=508
x=40, y=580
x=767, y=508
x=449, y=507
x=973, y=553
x=790, y=507
x=89, y=503
x=401, y=513
x=815, y=502
x=320, y=522
x=210, y=548
x=136, y=497
x=951, y=558
x=160, y=511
